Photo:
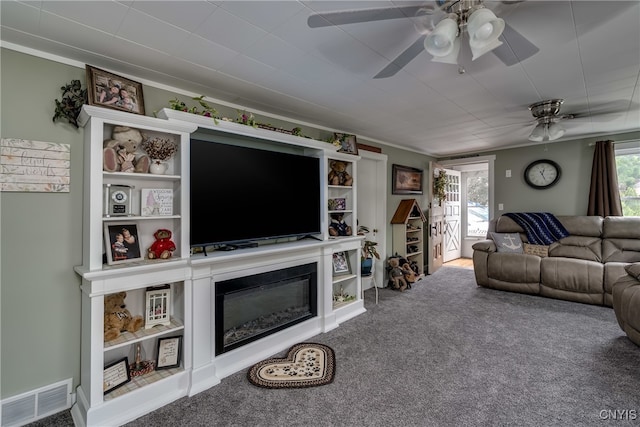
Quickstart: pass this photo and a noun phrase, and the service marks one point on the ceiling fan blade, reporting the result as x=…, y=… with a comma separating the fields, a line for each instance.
x=515, y=47
x=328, y=19
x=403, y=59
x=605, y=112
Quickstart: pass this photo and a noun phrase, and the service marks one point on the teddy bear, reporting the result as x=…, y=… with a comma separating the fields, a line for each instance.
x=163, y=247
x=338, y=227
x=338, y=174
x=396, y=275
x=119, y=152
x=117, y=318
x=410, y=276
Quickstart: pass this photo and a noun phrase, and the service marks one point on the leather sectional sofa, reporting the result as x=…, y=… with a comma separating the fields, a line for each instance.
x=581, y=267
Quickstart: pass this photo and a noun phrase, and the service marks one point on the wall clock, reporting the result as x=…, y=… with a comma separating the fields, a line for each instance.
x=542, y=174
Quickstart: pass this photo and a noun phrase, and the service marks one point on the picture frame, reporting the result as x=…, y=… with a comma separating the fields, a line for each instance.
x=348, y=143
x=406, y=180
x=109, y=90
x=338, y=204
x=158, y=306
x=122, y=242
x=169, y=352
x=115, y=375
x=156, y=202
x=341, y=264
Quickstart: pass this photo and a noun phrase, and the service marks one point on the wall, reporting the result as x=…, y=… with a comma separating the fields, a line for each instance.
x=569, y=196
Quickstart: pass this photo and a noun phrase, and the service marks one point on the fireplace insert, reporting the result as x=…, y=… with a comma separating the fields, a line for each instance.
x=251, y=307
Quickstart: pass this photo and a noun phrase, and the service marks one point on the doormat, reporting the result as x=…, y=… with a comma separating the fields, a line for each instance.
x=306, y=365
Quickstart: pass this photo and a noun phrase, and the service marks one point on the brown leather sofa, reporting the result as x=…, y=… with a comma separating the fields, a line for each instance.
x=626, y=302
x=582, y=267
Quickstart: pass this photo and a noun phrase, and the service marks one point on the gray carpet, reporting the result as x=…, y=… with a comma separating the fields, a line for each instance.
x=445, y=353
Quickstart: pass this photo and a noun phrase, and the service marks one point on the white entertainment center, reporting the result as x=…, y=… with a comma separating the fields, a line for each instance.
x=192, y=278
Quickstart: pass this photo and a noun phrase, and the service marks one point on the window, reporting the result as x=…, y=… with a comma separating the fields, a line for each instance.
x=477, y=196
x=628, y=166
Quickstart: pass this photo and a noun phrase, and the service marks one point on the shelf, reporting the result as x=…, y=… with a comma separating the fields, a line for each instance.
x=340, y=279
x=142, y=381
x=139, y=218
x=340, y=187
x=341, y=211
x=337, y=305
x=139, y=176
x=414, y=253
x=127, y=338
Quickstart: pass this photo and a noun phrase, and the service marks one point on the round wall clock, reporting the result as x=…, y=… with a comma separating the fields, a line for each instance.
x=542, y=174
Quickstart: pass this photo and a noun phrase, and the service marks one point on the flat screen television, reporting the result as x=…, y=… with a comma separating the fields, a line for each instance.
x=242, y=194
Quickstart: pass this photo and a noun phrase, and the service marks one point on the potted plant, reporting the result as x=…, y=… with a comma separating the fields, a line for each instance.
x=369, y=251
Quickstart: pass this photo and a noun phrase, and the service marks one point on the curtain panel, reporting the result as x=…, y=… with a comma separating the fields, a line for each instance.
x=604, y=195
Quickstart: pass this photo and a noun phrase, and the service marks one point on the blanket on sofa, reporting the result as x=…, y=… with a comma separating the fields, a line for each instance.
x=542, y=228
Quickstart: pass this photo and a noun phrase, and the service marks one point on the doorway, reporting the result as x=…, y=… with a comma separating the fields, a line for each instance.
x=476, y=192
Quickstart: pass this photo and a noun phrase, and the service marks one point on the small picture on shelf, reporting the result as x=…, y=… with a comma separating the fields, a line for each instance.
x=169, y=352
x=341, y=264
x=110, y=90
x=156, y=202
x=115, y=375
x=348, y=143
x=158, y=307
x=337, y=204
x=121, y=242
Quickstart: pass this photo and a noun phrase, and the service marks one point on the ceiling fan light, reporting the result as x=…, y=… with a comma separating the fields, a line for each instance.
x=478, y=51
x=451, y=58
x=442, y=39
x=555, y=131
x=484, y=28
x=538, y=133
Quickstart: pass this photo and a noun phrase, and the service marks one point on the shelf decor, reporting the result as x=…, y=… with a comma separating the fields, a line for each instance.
x=169, y=352
x=156, y=202
x=122, y=244
x=109, y=90
x=115, y=375
x=338, y=204
x=158, y=306
x=340, y=264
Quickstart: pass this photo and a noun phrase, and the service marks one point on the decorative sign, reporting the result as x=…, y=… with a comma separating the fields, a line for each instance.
x=156, y=202
x=34, y=166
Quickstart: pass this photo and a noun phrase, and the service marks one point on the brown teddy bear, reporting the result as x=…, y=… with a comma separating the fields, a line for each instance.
x=410, y=276
x=396, y=275
x=338, y=227
x=117, y=318
x=338, y=174
x=163, y=247
x=119, y=152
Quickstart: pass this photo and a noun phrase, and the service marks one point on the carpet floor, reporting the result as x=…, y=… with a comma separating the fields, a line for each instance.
x=445, y=353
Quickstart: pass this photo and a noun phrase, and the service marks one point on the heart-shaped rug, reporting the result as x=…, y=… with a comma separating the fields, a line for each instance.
x=306, y=365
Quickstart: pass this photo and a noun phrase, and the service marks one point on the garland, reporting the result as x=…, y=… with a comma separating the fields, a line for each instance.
x=439, y=186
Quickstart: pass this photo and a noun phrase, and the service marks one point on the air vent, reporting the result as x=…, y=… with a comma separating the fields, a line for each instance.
x=36, y=404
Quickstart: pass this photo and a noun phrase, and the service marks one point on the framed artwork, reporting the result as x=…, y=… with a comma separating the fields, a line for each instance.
x=156, y=202
x=115, y=375
x=337, y=204
x=348, y=143
x=169, y=352
x=158, y=308
x=341, y=263
x=105, y=89
x=406, y=180
x=122, y=243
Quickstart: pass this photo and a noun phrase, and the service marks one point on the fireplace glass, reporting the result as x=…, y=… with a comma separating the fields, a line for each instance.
x=252, y=307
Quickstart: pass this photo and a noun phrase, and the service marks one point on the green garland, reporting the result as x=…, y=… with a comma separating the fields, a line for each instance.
x=439, y=186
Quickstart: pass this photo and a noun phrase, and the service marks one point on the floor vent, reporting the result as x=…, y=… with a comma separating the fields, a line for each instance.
x=36, y=404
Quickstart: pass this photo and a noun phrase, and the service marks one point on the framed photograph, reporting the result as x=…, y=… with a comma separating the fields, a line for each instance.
x=406, y=180
x=105, y=89
x=339, y=204
x=348, y=143
x=158, y=309
x=122, y=243
x=169, y=352
x=115, y=375
x=340, y=264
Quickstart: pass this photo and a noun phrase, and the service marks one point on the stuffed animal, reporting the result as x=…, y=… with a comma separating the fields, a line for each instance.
x=396, y=275
x=338, y=227
x=338, y=174
x=410, y=276
x=117, y=318
x=163, y=247
x=119, y=152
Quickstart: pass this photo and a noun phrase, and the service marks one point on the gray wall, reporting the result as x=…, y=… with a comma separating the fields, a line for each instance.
x=41, y=235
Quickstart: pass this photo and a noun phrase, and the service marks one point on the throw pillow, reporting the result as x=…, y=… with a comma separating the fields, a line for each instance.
x=633, y=270
x=507, y=242
x=540, y=250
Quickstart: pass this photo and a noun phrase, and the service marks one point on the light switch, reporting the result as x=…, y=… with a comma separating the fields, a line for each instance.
x=508, y=173
x=500, y=206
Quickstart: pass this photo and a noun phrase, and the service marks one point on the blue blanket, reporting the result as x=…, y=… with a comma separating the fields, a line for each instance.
x=542, y=228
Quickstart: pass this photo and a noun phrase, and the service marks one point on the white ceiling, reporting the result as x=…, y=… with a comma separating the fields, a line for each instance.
x=264, y=56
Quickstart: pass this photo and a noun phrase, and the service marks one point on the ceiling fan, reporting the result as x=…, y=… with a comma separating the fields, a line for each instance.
x=441, y=26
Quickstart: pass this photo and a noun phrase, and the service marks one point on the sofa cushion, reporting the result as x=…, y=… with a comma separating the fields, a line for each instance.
x=514, y=268
x=579, y=247
x=573, y=279
x=621, y=239
x=539, y=250
x=613, y=273
x=590, y=226
x=507, y=242
x=633, y=270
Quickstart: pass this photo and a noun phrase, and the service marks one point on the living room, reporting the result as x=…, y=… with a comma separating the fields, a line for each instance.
x=46, y=292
